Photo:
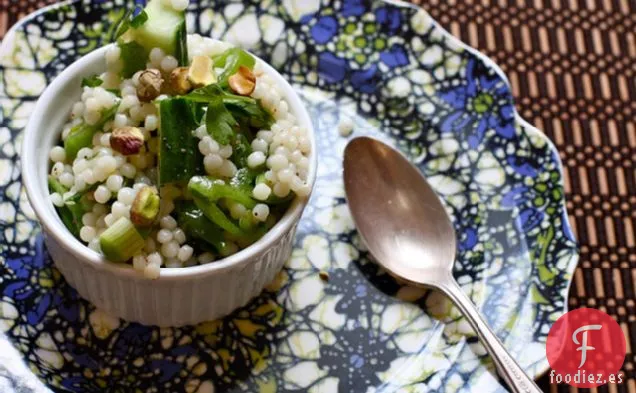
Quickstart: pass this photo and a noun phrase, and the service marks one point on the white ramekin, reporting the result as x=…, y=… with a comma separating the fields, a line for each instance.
x=180, y=296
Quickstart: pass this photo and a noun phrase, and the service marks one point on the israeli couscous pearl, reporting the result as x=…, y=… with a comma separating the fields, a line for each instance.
x=67, y=179
x=119, y=209
x=164, y=236
x=237, y=210
x=89, y=219
x=57, y=154
x=179, y=235
x=185, y=252
x=281, y=190
x=260, y=212
x=261, y=191
x=139, y=262
x=212, y=162
x=167, y=222
x=227, y=169
x=57, y=169
x=260, y=145
x=99, y=209
x=169, y=63
x=87, y=233
x=121, y=120
x=277, y=162
x=151, y=122
x=256, y=159
x=156, y=55
x=126, y=195
x=102, y=194
x=152, y=271
x=114, y=182
x=56, y=199
x=94, y=245
x=155, y=258
x=109, y=219
x=285, y=175
x=206, y=257
x=225, y=151
x=170, y=249
x=128, y=170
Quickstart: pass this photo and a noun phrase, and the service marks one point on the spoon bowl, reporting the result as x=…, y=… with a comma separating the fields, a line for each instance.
x=412, y=233
x=405, y=226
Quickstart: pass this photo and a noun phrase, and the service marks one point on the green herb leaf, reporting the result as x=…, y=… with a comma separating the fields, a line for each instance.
x=205, y=94
x=115, y=92
x=248, y=110
x=219, y=122
x=124, y=24
x=243, y=109
x=230, y=61
x=133, y=56
x=139, y=20
x=92, y=81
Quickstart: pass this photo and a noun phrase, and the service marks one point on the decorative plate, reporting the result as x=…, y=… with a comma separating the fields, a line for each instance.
x=396, y=74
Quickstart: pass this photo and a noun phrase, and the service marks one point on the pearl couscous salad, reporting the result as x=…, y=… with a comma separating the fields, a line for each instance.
x=182, y=152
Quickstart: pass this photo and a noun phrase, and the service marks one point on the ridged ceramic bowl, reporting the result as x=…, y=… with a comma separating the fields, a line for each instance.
x=180, y=296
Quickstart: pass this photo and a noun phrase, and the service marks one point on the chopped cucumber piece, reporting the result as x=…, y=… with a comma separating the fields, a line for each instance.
x=121, y=241
x=179, y=156
x=163, y=28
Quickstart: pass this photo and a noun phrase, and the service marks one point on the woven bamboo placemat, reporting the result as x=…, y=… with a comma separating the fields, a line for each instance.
x=572, y=66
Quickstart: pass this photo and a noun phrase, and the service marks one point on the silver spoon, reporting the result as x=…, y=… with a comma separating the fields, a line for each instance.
x=406, y=228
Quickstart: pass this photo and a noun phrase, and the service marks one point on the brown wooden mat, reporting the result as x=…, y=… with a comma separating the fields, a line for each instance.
x=572, y=66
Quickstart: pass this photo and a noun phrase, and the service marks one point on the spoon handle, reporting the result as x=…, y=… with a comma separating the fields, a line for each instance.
x=507, y=367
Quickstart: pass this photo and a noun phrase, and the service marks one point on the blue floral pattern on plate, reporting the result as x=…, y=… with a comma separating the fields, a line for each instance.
x=398, y=76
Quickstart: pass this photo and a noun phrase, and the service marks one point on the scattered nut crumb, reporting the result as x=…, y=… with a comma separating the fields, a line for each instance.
x=178, y=83
x=201, y=71
x=324, y=275
x=243, y=82
x=345, y=128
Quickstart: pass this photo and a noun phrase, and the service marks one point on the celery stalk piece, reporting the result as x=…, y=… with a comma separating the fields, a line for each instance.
x=121, y=241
